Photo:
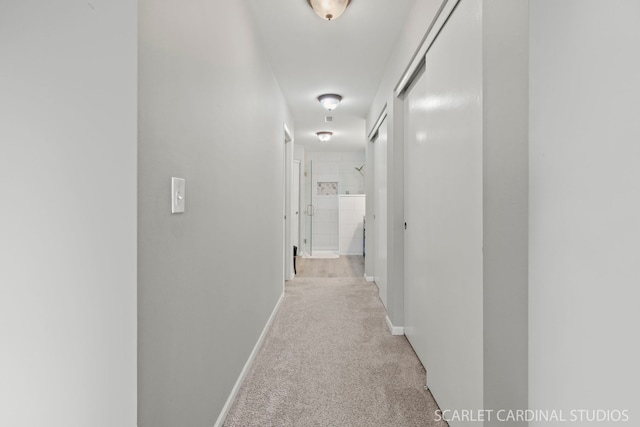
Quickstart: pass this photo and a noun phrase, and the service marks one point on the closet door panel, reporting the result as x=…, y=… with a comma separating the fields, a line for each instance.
x=443, y=252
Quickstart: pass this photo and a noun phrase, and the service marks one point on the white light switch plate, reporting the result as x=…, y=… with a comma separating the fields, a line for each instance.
x=177, y=195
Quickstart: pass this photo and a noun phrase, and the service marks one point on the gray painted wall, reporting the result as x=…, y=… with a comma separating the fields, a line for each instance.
x=418, y=21
x=210, y=112
x=505, y=203
x=584, y=206
x=68, y=216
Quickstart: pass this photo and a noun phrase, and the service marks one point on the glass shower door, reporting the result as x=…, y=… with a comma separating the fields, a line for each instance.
x=309, y=209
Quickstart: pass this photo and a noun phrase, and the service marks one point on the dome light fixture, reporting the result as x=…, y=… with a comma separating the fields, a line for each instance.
x=324, y=136
x=329, y=100
x=328, y=9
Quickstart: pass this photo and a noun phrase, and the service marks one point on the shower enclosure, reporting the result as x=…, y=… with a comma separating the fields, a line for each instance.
x=324, y=182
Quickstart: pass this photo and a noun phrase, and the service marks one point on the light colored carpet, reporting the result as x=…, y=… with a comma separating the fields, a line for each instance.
x=329, y=360
x=345, y=266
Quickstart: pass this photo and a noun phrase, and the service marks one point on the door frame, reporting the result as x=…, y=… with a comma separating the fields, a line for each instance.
x=296, y=164
x=287, y=172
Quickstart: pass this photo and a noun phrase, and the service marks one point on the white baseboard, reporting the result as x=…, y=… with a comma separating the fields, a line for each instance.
x=368, y=278
x=395, y=330
x=234, y=391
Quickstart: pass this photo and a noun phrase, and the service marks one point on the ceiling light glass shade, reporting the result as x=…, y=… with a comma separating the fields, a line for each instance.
x=324, y=136
x=328, y=9
x=330, y=100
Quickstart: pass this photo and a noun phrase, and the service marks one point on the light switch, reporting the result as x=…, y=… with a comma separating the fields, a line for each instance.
x=177, y=195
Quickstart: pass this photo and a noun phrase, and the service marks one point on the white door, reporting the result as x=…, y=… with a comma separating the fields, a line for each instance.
x=415, y=291
x=443, y=211
x=295, y=205
x=380, y=210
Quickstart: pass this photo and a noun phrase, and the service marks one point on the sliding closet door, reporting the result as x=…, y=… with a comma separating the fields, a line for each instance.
x=380, y=171
x=415, y=208
x=443, y=240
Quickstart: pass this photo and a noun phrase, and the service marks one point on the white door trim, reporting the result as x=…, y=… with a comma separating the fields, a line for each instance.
x=287, y=170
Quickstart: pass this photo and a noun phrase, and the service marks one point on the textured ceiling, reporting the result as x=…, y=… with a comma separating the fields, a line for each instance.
x=311, y=56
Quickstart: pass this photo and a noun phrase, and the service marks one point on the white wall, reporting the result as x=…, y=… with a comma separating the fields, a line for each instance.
x=351, y=212
x=339, y=166
x=298, y=152
x=68, y=218
x=212, y=113
x=584, y=204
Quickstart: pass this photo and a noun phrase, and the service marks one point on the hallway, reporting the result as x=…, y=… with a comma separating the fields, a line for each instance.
x=329, y=360
x=161, y=160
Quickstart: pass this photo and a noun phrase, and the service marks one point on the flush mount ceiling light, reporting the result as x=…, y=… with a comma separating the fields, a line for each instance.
x=329, y=100
x=324, y=136
x=328, y=9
